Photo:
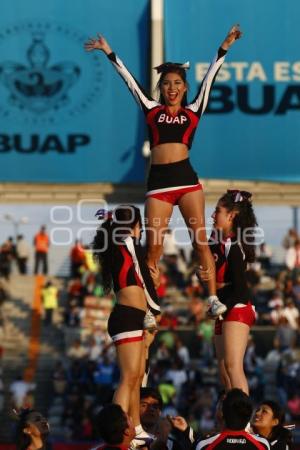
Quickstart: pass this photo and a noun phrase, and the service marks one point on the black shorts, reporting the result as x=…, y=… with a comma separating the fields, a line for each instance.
x=125, y=324
x=163, y=177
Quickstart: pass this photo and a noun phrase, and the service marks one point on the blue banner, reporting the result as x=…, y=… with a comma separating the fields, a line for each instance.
x=251, y=127
x=65, y=115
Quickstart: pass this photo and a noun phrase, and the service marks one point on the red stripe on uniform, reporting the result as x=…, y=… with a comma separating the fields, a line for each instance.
x=128, y=340
x=193, y=125
x=127, y=264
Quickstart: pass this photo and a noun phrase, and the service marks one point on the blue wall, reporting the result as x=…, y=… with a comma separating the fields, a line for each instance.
x=253, y=131
x=65, y=114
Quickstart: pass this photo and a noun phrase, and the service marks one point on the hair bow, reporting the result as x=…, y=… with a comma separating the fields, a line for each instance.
x=104, y=214
x=170, y=65
x=239, y=196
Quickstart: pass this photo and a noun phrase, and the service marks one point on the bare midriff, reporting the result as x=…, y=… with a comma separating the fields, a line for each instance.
x=169, y=153
x=132, y=296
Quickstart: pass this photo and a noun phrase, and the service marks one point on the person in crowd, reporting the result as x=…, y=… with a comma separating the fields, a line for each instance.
x=115, y=428
x=120, y=255
x=291, y=313
x=172, y=123
x=77, y=257
x=6, y=258
x=290, y=238
x=232, y=249
x=292, y=258
x=264, y=255
x=236, y=414
x=32, y=430
x=77, y=351
x=20, y=392
x=41, y=245
x=268, y=422
x=50, y=301
x=22, y=254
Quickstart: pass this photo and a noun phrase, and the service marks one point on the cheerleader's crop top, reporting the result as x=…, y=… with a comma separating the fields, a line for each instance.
x=164, y=127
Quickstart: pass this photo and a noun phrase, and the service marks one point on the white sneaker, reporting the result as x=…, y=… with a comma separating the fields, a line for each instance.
x=150, y=321
x=142, y=439
x=215, y=307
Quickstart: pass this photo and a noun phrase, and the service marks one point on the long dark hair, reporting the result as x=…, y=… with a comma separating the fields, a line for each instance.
x=278, y=431
x=115, y=227
x=181, y=73
x=244, y=219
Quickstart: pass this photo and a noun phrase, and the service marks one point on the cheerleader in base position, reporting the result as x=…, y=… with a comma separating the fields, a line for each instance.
x=172, y=123
x=268, y=422
x=232, y=246
x=123, y=267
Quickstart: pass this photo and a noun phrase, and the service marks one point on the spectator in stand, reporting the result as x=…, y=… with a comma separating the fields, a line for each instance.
x=170, y=248
x=105, y=379
x=182, y=351
x=194, y=288
x=72, y=316
x=59, y=378
x=32, y=431
x=290, y=238
x=5, y=260
x=236, y=411
x=288, y=288
x=294, y=405
x=296, y=292
x=20, y=390
x=205, y=332
x=292, y=258
x=50, y=301
x=22, y=254
x=163, y=352
x=41, y=245
x=276, y=306
x=90, y=266
x=77, y=351
x=115, y=428
x=76, y=292
x=285, y=336
x=197, y=310
x=162, y=289
x=177, y=374
x=268, y=422
x=168, y=318
x=264, y=255
x=291, y=313
x=94, y=349
x=77, y=257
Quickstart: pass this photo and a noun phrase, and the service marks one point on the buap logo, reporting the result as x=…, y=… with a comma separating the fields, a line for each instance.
x=37, y=84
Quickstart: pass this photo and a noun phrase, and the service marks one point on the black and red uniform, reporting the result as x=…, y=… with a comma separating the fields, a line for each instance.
x=231, y=266
x=169, y=182
x=125, y=324
x=229, y=439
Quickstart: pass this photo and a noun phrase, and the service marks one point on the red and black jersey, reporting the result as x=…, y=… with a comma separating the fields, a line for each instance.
x=234, y=440
x=164, y=127
x=130, y=269
x=231, y=269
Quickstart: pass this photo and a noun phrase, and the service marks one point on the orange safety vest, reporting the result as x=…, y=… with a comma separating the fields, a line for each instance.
x=41, y=241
